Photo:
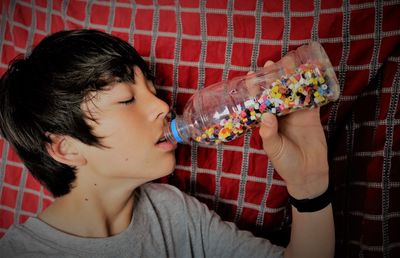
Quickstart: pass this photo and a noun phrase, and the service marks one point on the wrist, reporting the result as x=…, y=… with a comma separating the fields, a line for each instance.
x=316, y=203
x=308, y=189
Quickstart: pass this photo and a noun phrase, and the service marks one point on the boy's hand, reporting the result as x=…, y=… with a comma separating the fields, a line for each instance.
x=297, y=148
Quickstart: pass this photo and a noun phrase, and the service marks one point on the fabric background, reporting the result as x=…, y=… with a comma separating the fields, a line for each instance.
x=192, y=44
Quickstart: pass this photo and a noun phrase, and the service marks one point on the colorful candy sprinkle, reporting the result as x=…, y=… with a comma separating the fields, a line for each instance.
x=306, y=88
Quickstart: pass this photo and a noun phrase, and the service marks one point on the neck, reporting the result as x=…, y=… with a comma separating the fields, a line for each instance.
x=95, y=209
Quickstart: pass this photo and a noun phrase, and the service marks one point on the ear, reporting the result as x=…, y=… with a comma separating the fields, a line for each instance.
x=63, y=149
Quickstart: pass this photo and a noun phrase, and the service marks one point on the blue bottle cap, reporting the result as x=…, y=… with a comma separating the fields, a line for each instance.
x=175, y=131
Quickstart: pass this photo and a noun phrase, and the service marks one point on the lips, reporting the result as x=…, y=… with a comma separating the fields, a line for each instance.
x=164, y=144
x=162, y=139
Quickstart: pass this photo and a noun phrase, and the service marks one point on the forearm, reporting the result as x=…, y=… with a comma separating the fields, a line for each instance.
x=298, y=152
x=312, y=234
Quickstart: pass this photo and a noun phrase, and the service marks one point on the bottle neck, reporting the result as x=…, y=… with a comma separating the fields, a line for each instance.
x=176, y=131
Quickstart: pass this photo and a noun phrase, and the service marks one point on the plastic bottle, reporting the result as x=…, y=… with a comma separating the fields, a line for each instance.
x=304, y=78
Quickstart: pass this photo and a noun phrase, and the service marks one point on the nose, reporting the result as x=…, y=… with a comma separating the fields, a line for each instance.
x=159, y=108
x=164, y=109
x=156, y=107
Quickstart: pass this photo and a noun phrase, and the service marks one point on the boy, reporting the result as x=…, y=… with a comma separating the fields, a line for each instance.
x=81, y=112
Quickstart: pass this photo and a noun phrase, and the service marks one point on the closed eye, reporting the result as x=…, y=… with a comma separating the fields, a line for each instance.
x=127, y=102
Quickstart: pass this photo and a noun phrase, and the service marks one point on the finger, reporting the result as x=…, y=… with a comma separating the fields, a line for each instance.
x=268, y=63
x=306, y=117
x=252, y=84
x=272, y=141
x=252, y=87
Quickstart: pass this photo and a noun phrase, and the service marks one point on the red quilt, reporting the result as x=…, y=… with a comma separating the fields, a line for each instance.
x=192, y=44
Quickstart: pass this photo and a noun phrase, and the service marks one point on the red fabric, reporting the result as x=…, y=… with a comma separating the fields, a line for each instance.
x=192, y=44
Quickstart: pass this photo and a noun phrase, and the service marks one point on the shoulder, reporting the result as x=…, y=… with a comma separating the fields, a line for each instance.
x=163, y=192
x=14, y=232
x=168, y=196
x=157, y=188
x=6, y=243
x=15, y=242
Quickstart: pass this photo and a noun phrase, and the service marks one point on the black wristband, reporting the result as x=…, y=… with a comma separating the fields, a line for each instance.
x=312, y=205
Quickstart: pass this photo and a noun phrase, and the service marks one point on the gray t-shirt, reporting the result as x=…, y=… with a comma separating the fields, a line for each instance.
x=165, y=223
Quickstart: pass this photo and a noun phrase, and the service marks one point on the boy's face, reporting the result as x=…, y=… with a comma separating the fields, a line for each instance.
x=130, y=118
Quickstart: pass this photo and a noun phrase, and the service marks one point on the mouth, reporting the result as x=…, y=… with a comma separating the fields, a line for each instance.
x=161, y=140
x=164, y=144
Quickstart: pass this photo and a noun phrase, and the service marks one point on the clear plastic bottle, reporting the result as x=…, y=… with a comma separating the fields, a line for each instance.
x=304, y=78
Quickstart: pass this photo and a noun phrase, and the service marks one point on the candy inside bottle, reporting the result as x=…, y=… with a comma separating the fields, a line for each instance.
x=304, y=78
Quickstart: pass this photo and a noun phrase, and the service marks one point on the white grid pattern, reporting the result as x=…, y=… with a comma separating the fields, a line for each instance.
x=207, y=65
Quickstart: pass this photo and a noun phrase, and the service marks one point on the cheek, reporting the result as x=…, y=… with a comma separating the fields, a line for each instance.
x=127, y=135
x=132, y=142
x=122, y=129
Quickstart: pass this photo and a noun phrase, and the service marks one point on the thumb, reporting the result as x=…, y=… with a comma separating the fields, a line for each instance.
x=272, y=141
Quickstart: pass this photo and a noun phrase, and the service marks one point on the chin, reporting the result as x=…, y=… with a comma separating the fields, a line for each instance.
x=167, y=167
x=171, y=168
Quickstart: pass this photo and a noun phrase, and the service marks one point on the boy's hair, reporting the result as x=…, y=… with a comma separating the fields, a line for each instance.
x=43, y=92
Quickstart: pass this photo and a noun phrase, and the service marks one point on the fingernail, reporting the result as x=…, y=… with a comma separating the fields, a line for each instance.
x=266, y=120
